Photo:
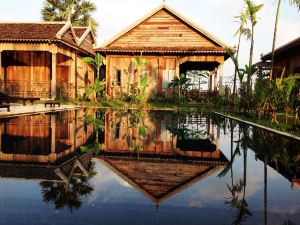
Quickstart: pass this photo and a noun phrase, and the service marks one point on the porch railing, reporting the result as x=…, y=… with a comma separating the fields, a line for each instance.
x=199, y=95
x=26, y=88
x=34, y=89
x=64, y=89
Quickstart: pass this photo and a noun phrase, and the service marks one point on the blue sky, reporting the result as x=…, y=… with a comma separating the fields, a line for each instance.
x=216, y=16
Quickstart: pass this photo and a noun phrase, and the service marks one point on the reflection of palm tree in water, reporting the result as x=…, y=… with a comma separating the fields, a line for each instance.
x=240, y=187
x=67, y=195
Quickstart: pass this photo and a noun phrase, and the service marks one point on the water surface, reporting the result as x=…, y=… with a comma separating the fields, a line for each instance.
x=135, y=167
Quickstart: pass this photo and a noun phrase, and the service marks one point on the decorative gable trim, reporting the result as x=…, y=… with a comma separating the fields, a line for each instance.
x=176, y=14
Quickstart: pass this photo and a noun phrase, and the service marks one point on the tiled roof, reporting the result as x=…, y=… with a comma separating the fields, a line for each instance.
x=162, y=49
x=79, y=31
x=292, y=44
x=30, y=31
x=43, y=32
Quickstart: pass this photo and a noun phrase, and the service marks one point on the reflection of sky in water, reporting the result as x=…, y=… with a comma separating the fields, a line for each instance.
x=114, y=201
x=211, y=192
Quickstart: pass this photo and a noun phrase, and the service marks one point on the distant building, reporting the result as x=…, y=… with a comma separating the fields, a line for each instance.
x=287, y=57
x=44, y=59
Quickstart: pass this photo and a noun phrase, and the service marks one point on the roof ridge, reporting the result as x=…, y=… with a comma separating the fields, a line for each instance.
x=80, y=27
x=33, y=22
x=281, y=47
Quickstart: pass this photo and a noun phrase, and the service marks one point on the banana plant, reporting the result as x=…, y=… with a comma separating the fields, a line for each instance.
x=97, y=62
x=138, y=89
x=285, y=86
x=96, y=90
x=181, y=82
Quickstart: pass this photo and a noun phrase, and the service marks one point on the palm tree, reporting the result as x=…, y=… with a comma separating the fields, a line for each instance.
x=242, y=30
x=79, y=12
x=251, y=12
x=292, y=2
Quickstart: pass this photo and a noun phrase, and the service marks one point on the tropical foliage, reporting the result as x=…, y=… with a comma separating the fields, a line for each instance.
x=79, y=12
x=97, y=62
x=138, y=89
x=181, y=82
x=95, y=91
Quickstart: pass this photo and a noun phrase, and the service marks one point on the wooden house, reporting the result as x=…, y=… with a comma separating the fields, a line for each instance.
x=287, y=58
x=170, y=44
x=45, y=59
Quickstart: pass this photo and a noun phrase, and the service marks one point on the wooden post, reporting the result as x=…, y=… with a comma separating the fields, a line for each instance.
x=53, y=76
x=210, y=81
x=215, y=80
x=1, y=66
x=108, y=75
x=73, y=74
x=221, y=89
x=76, y=72
x=160, y=75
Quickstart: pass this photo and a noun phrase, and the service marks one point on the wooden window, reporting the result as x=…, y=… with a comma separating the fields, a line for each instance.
x=119, y=77
x=168, y=76
x=118, y=130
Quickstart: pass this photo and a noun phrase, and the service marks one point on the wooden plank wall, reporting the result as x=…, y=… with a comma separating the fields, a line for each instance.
x=165, y=30
x=130, y=75
x=26, y=65
x=290, y=60
x=85, y=76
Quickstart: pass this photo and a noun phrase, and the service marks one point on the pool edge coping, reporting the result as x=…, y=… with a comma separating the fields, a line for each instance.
x=288, y=135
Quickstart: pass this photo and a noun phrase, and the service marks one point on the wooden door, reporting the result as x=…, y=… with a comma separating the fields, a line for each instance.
x=62, y=80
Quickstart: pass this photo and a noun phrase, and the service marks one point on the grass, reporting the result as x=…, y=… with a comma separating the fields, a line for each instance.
x=292, y=128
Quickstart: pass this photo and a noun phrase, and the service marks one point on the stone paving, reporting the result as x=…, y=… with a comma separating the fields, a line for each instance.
x=19, y=109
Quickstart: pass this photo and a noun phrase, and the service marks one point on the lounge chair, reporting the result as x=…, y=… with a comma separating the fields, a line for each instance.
x=52, y=104
x=7, y=106
x=8, y=99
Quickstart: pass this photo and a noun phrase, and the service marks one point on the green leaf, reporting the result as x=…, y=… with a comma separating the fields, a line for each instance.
x=142, y=131
x=144, y=81
x=136, y=149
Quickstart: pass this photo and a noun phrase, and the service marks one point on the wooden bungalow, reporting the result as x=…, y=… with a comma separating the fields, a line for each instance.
x=287, y=57
x=170, y=44
x=45, y=59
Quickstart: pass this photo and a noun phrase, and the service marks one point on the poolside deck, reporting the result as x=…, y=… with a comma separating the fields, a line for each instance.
x=18, y=109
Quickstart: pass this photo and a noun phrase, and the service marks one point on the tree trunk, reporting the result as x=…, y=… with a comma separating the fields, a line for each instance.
x=248, y=87
x=235, y=71
x=251, y=54
x=274, y=40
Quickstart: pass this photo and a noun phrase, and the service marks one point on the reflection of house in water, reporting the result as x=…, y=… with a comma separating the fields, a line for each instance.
x=44, y=147
x=166, y=163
